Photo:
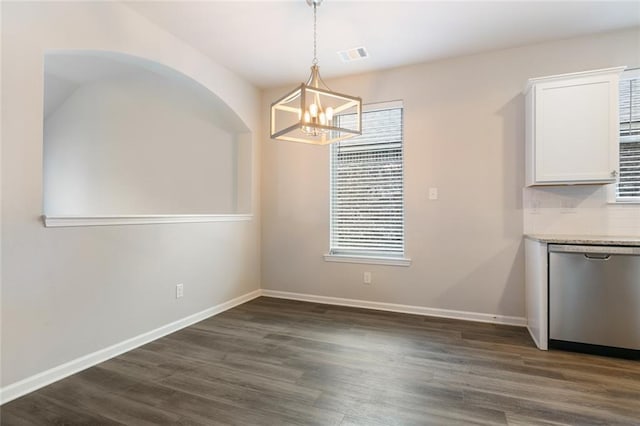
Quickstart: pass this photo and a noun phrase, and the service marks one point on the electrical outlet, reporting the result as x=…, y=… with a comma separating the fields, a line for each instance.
x=179, y=291
x=568, y=206
x=366, y=278
x=535, y=206
x=433, y=193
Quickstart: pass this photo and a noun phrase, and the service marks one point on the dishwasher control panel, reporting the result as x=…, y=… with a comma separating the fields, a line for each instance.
x=567, y=248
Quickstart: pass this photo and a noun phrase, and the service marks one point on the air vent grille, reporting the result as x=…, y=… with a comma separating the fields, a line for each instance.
x=354, y=54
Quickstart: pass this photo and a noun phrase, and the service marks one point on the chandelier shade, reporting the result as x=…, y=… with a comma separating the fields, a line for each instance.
x=312, y=113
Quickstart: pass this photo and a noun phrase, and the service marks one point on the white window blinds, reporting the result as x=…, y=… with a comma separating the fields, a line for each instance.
x=367, y=201
x=628, y=188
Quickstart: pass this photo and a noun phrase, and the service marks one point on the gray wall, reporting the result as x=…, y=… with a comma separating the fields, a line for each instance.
x=464, y=134
x=67, y=292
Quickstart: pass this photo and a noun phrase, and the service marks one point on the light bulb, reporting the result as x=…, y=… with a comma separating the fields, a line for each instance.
x=329, y=112
x=307, y=118
x=323, y=119
x=313, y=109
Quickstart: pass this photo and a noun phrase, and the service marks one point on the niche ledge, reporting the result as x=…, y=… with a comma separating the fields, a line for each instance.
x=67, y=221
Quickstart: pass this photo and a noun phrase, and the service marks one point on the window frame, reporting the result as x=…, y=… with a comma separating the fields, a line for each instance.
x=362, y=256
x=629, y=74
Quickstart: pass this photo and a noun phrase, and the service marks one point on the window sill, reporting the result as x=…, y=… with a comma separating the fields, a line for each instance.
x=67, y=221
x=373, y=260
x=624, y=203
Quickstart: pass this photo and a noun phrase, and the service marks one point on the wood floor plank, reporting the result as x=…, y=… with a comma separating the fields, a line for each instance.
x=283, y=405
x=37, y=409
x=279, y=362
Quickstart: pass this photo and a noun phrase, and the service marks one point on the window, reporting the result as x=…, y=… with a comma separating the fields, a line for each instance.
x=628, y=187
x=367, y=195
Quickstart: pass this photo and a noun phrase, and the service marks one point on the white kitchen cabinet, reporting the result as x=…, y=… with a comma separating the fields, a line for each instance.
x=572, y=128
x=536, y=291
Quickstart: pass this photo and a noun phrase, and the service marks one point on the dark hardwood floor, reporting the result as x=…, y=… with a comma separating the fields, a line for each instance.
x=277, y=362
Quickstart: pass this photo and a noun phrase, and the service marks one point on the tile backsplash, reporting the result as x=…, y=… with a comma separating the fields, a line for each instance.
x=578, y=209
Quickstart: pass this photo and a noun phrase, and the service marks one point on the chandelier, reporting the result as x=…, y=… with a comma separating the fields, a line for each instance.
x=312, y=113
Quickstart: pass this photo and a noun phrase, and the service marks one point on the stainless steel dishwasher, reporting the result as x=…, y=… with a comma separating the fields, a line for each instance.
x=594, y=299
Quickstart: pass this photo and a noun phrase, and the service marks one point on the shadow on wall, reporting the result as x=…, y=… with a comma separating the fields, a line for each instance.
x=513, y=163
x=513, y=294
x=127, y=136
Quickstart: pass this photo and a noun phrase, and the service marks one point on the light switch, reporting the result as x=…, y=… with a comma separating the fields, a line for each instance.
x=433, y=193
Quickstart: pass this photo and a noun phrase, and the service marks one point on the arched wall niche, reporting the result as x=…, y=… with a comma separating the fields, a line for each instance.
x=130, y=140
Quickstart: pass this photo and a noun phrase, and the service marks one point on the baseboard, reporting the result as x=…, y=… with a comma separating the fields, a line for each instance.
x=407, y=309
x=37, y=381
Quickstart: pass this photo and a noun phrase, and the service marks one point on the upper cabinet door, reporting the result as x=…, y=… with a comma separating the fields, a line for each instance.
x=572, y=128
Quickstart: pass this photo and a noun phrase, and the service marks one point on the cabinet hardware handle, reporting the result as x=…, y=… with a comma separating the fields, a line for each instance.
x=614, y=173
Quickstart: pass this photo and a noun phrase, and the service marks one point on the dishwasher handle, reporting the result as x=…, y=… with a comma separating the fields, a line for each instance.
x=602, y=250
x=597, y=256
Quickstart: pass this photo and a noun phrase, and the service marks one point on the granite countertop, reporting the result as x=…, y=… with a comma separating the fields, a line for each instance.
x=609, y=240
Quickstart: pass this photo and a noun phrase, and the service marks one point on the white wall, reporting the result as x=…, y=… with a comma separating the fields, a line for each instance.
x=138, y=144
x=464, y=134
x=67, y=292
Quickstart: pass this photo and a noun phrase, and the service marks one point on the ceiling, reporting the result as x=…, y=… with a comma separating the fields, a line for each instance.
x=270, y=43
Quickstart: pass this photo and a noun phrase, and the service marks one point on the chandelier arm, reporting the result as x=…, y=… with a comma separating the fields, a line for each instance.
x=322, y=81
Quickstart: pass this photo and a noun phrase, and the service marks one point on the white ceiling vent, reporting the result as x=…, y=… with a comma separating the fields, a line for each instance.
x=354, y=54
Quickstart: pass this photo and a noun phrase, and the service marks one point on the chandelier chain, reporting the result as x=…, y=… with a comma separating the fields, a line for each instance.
x=315, y=36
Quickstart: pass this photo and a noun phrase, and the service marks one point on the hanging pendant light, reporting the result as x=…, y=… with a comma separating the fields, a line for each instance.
x=312, y=113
